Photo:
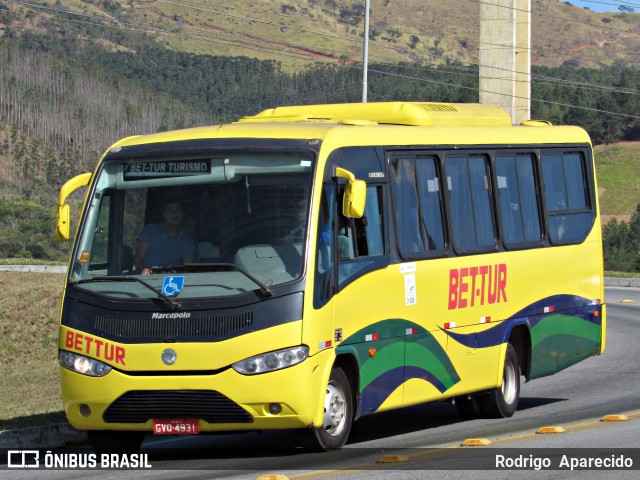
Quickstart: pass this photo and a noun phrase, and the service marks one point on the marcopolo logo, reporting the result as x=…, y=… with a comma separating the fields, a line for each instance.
x=158, y=316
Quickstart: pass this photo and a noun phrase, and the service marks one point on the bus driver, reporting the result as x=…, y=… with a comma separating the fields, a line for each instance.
x=164, y=244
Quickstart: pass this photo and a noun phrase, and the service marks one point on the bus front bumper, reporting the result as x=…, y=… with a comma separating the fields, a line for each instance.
x=289, y=398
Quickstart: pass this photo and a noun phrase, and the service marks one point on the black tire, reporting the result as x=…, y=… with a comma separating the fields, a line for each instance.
x=338, y=413
x=111, y=441
x=468, y=406
x=502, y=402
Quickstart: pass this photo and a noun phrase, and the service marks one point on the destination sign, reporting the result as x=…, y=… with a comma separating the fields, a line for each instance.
x=166, y=168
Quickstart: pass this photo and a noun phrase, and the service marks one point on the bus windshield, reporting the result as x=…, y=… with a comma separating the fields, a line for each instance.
x=210, y=226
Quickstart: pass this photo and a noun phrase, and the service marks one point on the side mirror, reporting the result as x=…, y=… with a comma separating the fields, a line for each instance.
x=63, y=221
x=355, y=194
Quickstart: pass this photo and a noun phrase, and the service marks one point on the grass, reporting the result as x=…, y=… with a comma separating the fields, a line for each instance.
x=621, y=274
x=30, y=261
x=29, y=378
x=618, y=170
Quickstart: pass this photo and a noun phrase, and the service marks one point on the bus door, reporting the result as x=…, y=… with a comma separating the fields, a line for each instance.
x=365, y=306
x=420, y=239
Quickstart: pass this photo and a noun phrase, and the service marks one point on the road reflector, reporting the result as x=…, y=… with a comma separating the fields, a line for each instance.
x=614, y=418
x=627, y=300
x=393, y=459
x=550, y=430
x=476, y=442
x=278, y=476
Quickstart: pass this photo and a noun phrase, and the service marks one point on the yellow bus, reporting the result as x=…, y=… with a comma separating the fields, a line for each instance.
x=320, y=263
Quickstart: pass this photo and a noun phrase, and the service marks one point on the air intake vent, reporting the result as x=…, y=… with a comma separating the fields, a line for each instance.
x=177, y=328
x=207, y=405
x=438, y=107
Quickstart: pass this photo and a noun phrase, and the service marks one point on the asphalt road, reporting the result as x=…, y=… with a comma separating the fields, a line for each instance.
x=425, y=441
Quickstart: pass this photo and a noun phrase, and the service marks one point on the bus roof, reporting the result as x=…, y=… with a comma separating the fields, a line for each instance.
x=395, y=113
x=382, y=123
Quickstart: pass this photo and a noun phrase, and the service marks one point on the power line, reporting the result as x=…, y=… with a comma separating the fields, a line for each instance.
x=616, y=4
x=564, y=19
x=509, y=95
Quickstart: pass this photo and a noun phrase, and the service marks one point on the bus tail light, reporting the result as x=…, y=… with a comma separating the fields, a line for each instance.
x=268, y=362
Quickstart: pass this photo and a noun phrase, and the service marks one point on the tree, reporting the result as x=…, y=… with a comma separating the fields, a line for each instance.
x=615, y=246
x=621, y=244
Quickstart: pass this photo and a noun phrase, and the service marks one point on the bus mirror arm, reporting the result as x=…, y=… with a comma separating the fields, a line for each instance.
x=355, y=194
x=63, y=220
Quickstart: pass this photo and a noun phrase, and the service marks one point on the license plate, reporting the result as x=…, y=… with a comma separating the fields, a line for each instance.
x=176, y=426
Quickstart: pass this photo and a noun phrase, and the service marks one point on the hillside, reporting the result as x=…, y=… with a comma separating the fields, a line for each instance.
x=618, y=170
x=301, y=32
x=76, y=75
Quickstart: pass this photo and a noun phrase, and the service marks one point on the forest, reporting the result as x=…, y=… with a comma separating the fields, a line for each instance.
x=63, y=102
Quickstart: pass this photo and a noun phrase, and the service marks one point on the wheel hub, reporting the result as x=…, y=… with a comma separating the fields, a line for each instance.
x=334, y=410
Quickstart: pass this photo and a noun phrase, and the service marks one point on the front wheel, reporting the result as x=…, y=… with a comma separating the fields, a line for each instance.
x=502, y=402
x=338, y=413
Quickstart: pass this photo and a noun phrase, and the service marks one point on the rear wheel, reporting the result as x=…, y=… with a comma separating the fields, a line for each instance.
x=338, y=413
x=111, y=441
x=503, y=401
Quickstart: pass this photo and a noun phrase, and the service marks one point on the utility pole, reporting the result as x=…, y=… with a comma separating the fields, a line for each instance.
x=505, y=57
x=365, y=60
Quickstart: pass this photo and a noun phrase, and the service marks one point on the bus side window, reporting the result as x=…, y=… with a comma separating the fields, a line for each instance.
x=431, y=204
x=361, y=240
x=568, y=208
x=408, y=225
x=418, y=206
x=517, y=200
x=362, y=237
x=324, y=279
x=468, y=184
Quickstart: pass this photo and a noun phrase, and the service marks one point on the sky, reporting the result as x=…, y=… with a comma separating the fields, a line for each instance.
x=606, y=5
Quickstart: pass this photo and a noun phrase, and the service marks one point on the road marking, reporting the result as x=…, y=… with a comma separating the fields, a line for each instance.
x=476, y=442
x=393, y=459
x=550, y=430
x=614, y=418
x=439, y=452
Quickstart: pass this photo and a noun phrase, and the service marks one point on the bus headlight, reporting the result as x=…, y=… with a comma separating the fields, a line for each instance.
x=268, y=362
x=84, y=365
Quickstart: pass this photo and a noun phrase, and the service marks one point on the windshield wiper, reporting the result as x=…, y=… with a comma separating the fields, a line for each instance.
x=207, y=267
x=173, y=303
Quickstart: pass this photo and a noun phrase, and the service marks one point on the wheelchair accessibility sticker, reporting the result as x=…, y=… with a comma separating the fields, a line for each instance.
x=173, y=285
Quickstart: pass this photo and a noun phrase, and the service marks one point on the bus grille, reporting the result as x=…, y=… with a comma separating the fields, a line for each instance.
x=162, y=328
x=207, y=405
